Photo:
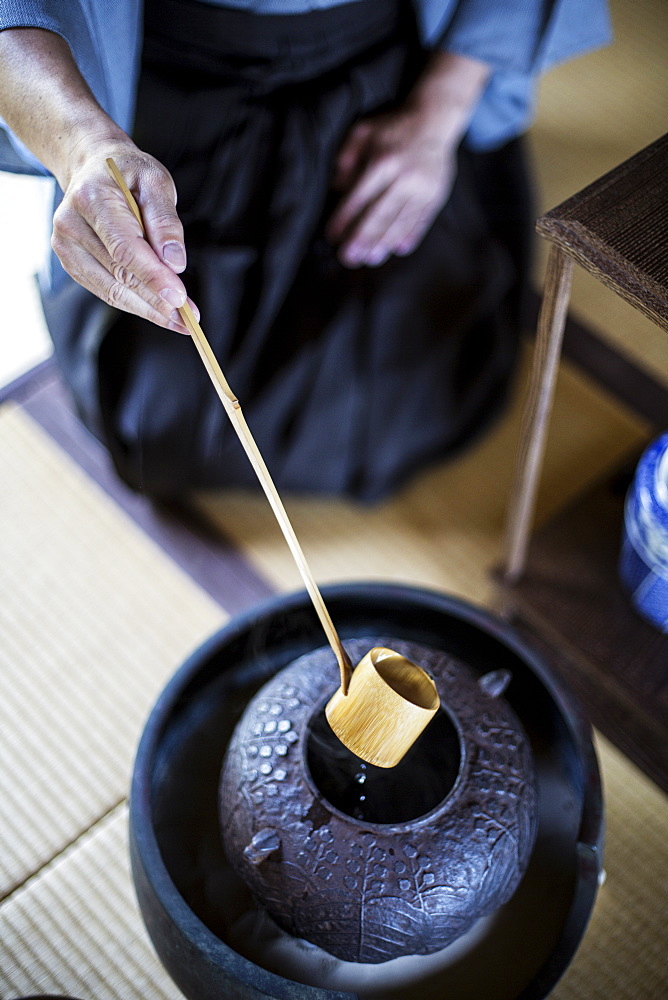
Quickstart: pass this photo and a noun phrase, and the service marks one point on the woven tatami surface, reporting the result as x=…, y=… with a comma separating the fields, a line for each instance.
x=623, y=954
x=76, y=930
x=93, y=620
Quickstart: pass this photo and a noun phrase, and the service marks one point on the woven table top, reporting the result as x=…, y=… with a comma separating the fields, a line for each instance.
x=617, y=229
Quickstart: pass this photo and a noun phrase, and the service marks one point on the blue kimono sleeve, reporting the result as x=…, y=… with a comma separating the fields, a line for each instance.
x=519, y=39
x=523, y=36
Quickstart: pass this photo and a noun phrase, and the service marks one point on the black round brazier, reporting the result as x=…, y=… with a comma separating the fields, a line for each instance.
x=188, y=895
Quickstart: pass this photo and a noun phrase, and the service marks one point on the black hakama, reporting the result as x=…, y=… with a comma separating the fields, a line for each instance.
x=350, y=379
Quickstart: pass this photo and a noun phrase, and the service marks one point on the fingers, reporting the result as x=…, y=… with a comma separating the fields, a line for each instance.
x=413, y=234
x=408, y=229
x=372, y=183
x=163, y=226
x=365, y=242
x=106, y=212
x=397, y=170
x=390, y=209
x=89, y=262
x=394, y=222
x=101, y=245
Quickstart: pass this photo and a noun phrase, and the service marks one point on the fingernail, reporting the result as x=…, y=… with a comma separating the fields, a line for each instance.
x=353, y=256
x=174, y=254
x=377, y=256
x=173, y=297
x=177, y=328
x=176, y=323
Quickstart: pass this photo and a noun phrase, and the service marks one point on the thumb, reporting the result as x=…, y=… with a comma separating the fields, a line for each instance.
x=164, y=231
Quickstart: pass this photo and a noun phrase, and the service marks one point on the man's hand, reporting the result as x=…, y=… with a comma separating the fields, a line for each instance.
x=100, y=244
x=396, y=170
x=396, y=176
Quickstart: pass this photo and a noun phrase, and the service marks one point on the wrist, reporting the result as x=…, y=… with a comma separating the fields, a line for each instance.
x=448, y=90
x=48, y=104
x=91, y=136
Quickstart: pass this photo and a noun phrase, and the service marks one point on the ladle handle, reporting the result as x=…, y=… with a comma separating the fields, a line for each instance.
x=233, y=409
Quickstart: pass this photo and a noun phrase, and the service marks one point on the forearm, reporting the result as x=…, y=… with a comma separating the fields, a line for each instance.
x=47, y=103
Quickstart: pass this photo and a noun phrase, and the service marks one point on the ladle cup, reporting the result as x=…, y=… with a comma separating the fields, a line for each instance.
x=385, y=703
x=389, y=702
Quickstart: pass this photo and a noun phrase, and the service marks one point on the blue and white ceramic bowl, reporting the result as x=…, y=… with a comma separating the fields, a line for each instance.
x=643, y=562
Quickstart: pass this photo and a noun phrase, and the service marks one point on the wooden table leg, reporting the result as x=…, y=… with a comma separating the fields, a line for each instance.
x=535, y=419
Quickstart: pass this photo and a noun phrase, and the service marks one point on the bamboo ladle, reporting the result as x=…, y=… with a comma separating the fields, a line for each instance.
x=384, y=704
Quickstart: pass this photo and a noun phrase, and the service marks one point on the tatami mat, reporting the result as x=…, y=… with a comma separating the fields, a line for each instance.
x=75, y=929
x=93, y=619
x=445, y=530
x=623, y=955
